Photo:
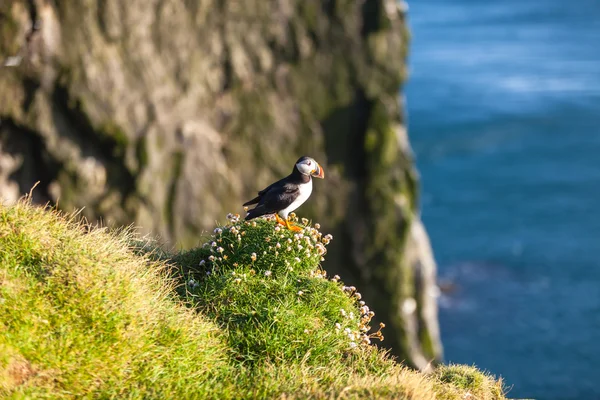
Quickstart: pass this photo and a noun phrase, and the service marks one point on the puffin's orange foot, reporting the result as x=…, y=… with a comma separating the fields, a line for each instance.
x=292, y=227
x=280, y=221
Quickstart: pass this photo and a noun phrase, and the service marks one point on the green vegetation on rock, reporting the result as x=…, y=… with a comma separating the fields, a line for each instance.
x=87, y=312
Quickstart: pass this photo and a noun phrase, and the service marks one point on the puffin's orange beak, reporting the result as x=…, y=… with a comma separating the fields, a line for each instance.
x=318, y=172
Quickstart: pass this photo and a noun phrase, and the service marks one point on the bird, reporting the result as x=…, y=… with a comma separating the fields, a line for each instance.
x=287, y=194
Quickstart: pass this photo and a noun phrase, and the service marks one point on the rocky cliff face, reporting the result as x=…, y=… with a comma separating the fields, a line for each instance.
x=170, y=113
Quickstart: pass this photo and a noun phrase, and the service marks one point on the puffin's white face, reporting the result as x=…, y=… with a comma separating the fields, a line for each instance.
x=309, y=166
x=306, y=166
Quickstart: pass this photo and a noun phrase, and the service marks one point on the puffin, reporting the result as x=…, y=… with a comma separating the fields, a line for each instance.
x=287, y=194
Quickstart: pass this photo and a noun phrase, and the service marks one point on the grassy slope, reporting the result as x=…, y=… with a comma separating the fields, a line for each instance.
x=86, y=312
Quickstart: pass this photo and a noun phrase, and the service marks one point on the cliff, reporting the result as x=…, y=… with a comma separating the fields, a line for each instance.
x=87, y=313
x=170, y=113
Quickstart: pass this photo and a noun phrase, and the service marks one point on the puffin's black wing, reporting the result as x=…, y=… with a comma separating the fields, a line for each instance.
x=255, y=200
x=273, y=199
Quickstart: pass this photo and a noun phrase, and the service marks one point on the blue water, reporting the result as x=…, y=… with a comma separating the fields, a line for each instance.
x=504, y=117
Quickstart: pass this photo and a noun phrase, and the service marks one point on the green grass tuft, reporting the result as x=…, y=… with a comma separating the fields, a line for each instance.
x=264, y=286
x=469, y=379
x=80, y=314
x=89, y=313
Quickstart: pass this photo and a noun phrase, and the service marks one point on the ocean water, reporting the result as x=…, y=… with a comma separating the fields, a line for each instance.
x=504, y=117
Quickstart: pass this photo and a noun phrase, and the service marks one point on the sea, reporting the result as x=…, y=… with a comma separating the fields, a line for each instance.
x=503, y=108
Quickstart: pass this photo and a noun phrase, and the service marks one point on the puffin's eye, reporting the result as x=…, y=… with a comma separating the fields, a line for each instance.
x=308, y=162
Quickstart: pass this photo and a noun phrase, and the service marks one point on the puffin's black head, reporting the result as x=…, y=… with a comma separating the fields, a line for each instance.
x=309, y=166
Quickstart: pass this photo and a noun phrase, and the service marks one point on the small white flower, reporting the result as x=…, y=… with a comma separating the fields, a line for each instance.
x=338, y=326
x=321, y=249
x=306, y=331
x=289, y=248
x=237, y=280
x=220, y=249
x=352, y=345
x=202, y=262
x=296, y=259
x=253, y=257
x=233, y=217
x=358, y=295
x=218, y=231
x=300, y=247
x=343, y=312
x=300, y=293
x=278, y=245
x=347, y=331
x=268, y=273
x=211, y=258
x=213, y=244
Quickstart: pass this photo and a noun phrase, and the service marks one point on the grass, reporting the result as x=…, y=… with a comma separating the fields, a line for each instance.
x=85, y=312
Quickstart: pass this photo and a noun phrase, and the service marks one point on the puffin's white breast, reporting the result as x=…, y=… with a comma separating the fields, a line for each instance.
x=305, y=190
